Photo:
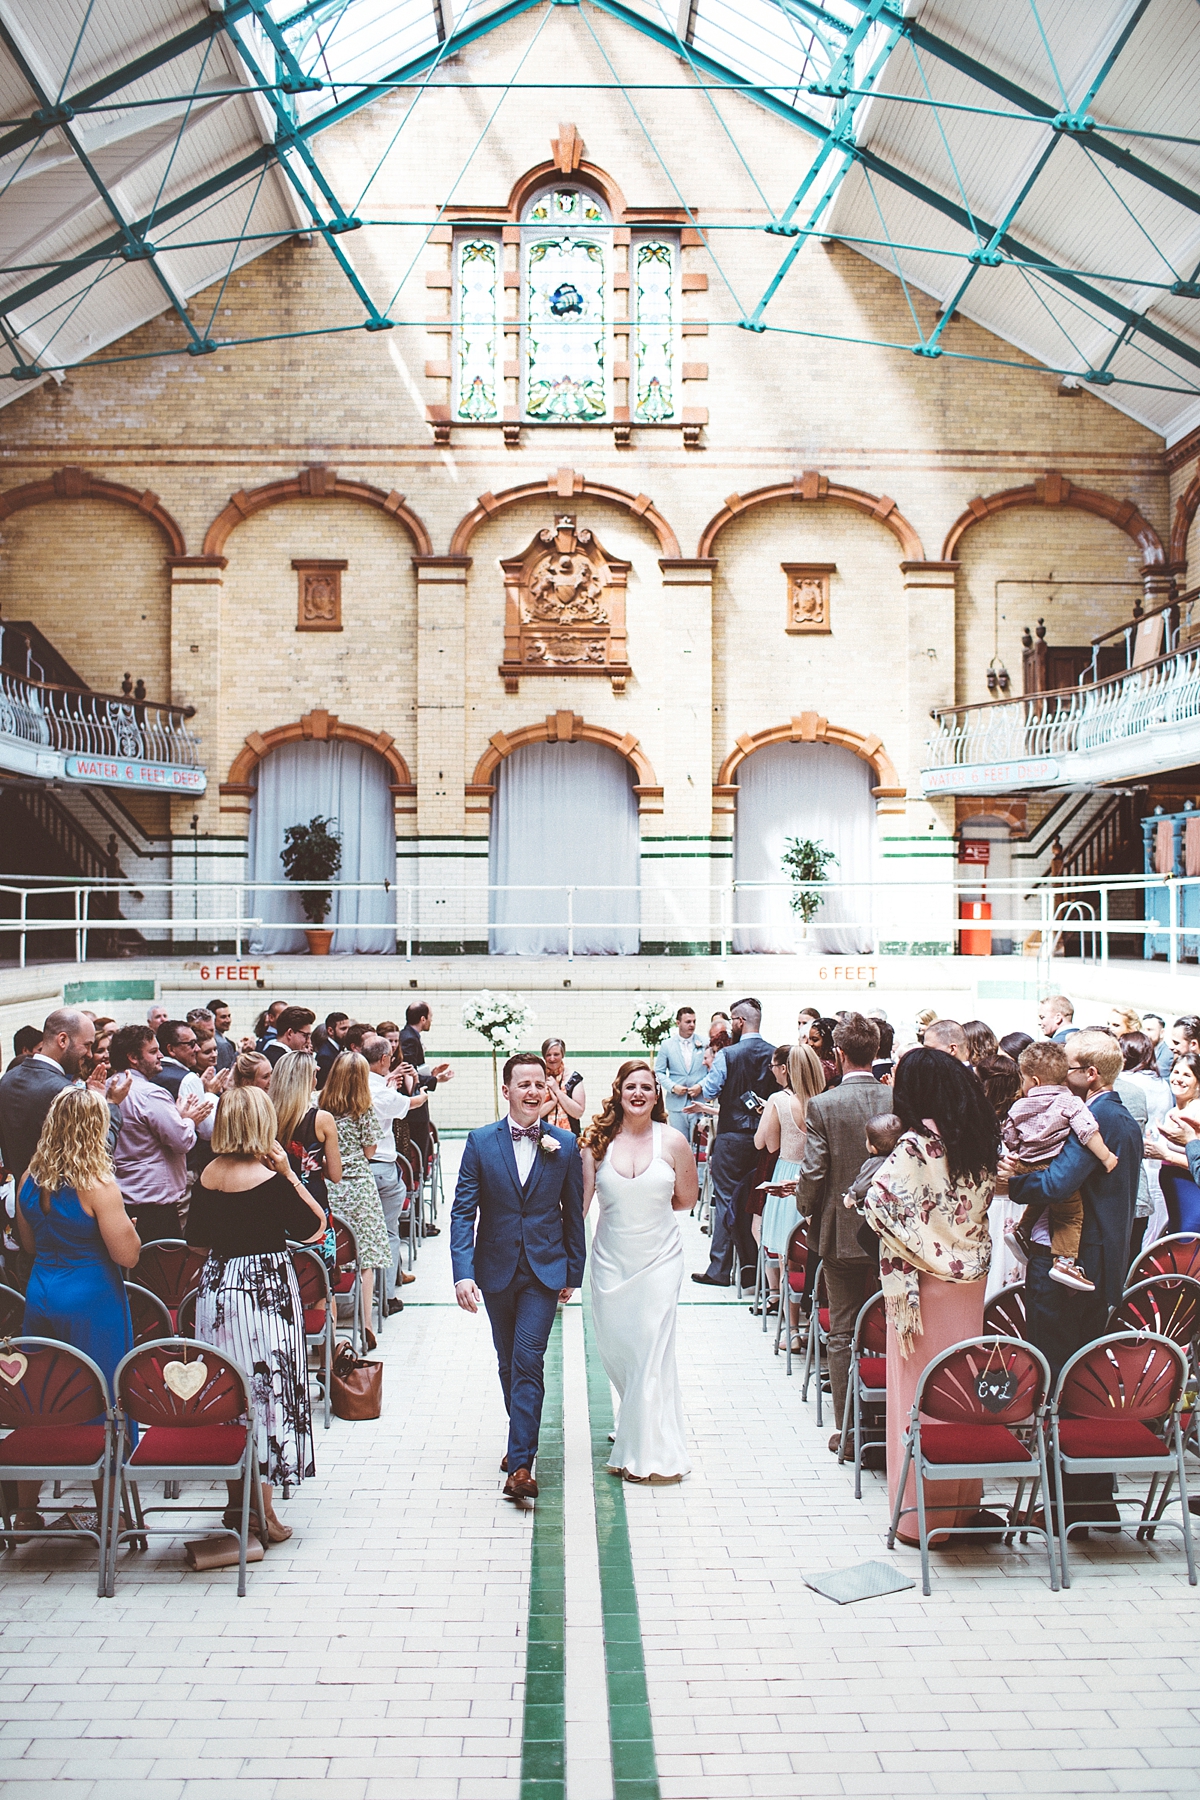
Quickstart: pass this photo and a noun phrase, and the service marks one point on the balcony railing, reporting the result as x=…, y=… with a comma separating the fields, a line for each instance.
x=79, y=735
x=1138, y=722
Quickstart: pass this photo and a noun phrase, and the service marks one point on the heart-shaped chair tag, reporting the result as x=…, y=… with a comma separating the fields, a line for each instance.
x=12, y=1367
x=185, y=1379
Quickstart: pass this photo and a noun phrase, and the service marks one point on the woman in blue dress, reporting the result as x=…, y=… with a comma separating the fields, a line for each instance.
x=72, y=1221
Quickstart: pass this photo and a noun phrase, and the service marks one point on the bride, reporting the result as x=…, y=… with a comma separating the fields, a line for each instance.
x=642, y=1172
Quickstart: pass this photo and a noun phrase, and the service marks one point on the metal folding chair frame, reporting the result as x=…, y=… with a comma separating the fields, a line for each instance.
x=101, y=1469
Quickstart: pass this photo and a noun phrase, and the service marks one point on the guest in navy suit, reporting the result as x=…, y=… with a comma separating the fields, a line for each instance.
x=517, y=1245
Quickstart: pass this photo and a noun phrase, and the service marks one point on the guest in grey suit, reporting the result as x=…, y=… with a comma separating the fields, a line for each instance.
x=679, y=1066
x=28, y=1088
x=834, y=1152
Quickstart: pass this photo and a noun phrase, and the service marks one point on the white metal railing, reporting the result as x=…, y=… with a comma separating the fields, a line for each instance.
x=882, y=913
x=77, y=722
x=1039, y=726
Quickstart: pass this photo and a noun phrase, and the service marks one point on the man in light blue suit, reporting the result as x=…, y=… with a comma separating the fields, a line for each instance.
x=679, y=1066
x=522, y=1181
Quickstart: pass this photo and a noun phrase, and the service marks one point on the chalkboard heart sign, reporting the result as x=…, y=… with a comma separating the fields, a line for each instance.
x=997, y=1389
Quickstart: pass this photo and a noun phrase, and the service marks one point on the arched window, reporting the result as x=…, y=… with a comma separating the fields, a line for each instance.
x=817, y=791
x=564, y=816
x=595, y=307
x=345, y=782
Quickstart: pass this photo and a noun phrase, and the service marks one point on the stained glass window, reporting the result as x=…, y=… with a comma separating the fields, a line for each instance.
x=655, y=357
x=566, y=251
x=480, y=297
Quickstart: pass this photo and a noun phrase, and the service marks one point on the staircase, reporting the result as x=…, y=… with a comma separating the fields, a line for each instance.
x=38, y=830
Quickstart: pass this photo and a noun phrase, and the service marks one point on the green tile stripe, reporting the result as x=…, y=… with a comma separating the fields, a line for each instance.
x=543, y=1749
x=635, y=1770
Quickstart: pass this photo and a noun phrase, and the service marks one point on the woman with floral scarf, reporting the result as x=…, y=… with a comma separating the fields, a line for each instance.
x=929, y=1206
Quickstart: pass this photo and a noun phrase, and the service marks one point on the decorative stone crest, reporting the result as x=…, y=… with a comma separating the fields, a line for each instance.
x=319, y=601
x=808, y=597
x=565, y=608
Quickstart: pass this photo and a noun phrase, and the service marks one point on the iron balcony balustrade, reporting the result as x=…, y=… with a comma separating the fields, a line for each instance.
x=72, y=734
x=1142, y=721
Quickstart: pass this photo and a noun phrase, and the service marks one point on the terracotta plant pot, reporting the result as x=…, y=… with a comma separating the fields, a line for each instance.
x=319, y=939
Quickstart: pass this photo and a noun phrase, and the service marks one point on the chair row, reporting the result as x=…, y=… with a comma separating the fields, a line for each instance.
x=178, y=1410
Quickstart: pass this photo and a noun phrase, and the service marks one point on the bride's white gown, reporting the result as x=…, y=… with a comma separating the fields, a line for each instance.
x=636, y=1273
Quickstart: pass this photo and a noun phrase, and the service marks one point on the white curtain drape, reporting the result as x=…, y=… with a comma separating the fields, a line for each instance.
x=564, y=814
x=345, y=782
x=807, y=791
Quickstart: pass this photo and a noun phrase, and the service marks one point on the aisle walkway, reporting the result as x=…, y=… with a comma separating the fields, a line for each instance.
x=382, y=1653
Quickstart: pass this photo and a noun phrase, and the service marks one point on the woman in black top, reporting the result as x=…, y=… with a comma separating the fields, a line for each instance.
x=245, y=1207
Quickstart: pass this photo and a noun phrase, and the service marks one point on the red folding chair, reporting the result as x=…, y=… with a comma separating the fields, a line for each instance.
x=188, y=1432
x=149, y=1314
x=969, y=1404
x=1178, y=1254
x=868, y=1381
x=1004, y=1314
x=1108, y=1397
x=792, y=1286
x=347, y=1277
x=818, y=1339
x=1165, y=1305
x=185, y=1315
x=412, y=1212
x=169, y=1268
x=312, y=1278
x=56, y=1411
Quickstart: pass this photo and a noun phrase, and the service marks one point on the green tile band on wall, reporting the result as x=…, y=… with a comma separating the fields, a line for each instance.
x=631, y=1735
x=543, y=1738
x=82, y=993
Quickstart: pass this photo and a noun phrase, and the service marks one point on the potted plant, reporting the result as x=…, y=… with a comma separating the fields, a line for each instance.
x=805, y=863
x=500, y=1018
x=313, y=853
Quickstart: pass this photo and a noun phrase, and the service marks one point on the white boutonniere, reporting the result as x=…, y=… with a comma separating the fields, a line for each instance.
x=548, y=1144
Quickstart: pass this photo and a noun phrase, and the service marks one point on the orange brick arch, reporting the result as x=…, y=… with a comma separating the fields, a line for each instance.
x=314, y=483
x=319, y=727
x=1186, y=508
x=1053, y=489
x=565, y=728
x=811, y=728
x=77, y=484
x=812, y=486
x=564, y=486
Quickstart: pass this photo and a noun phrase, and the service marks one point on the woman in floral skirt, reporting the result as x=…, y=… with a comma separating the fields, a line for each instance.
x=355, y=1198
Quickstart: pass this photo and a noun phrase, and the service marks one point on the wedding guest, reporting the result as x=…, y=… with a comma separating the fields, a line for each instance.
x=307, y=1132
x=1055, y=1016
x=251, y=1070
x=177, y=1042
x=418, y=1019
x=157, y=1016
x=222, y=1020
x=150, y=1163
x=388, y=1028
x=1013, y=1042
x=71, y=1220
x=1185, y=1037
x=1184, y=1084
x=203, y=1083
x=720, y=1037
x=26, y=1039
x=394, y=1094
x=982, y=1044
x=1155, y=1028
x=948, y=1036
x=566, y=1105
x=355, y=1198
x=336, y=1026
x=923, y=1020
x=884, y=1063
x=293, y=1031
x=245, y=1207
x=1141, y=1072
x=833, y=1154
x=929, y=1207
x=202, y=1023
x=798, y=1070
x=820, y=1039
x=264, y=1025
x=739, y=1075
x=27, y=1089
x=679, y=1067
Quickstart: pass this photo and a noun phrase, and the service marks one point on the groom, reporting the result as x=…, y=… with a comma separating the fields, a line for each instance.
x=524, y=1181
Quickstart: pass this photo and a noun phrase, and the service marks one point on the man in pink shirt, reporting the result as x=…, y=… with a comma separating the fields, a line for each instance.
x=150, y=1162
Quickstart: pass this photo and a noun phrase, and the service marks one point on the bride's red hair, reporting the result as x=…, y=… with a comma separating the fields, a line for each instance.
x=609, y=1120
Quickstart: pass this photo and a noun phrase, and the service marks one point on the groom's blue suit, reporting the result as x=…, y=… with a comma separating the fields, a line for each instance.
x=529, y=1244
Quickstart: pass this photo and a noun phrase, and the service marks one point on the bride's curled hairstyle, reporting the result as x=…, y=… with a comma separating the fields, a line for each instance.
x=609, y=1120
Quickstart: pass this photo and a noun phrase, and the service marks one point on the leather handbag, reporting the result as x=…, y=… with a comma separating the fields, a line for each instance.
x=356, y=1389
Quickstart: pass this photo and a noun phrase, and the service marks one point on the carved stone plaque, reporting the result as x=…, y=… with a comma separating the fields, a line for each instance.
x=808, y=597
x=565, y=608
x=319, y=602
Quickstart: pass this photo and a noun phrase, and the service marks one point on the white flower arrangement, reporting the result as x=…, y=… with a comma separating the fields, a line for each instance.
x=651, y=1023
x=500, y=1018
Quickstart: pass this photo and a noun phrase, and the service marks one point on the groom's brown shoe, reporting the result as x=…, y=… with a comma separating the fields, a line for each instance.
x=521, y=1486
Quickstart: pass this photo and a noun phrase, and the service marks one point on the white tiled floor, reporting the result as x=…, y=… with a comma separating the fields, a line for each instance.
x=380, y=1654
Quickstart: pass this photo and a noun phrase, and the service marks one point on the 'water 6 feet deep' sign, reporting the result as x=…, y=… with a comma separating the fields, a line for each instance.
x=117, y=772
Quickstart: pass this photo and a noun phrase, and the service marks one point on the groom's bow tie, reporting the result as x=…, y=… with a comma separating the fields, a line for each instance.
x=525, y=1131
